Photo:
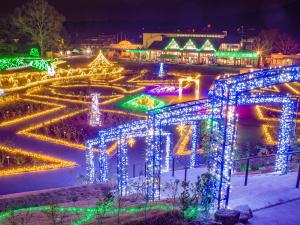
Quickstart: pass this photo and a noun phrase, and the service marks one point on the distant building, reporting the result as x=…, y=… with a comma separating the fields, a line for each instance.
x=204, y=48
x=120, y=49
x=100, y=41
x=283, y=60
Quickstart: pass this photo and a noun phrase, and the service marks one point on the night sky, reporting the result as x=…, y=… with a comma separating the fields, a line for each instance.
x=183, y=14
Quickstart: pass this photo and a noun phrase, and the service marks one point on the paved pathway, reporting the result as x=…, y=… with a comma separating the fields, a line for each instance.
x=282, y=214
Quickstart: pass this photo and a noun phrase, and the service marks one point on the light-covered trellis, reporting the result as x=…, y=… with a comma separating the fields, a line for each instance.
x=220, y=108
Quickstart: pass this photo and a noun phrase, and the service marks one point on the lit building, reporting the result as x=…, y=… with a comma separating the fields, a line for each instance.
x=120, y=49
x=208, y=48
x=100, y=41
x=283, y=60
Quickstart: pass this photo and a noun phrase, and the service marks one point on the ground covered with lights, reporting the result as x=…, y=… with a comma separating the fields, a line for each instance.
x=44, y=123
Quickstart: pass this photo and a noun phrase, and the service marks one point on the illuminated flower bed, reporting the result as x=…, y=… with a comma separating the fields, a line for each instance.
x=85, y=90
x=143, y=103
x=22, y=109
x=16, y=161
x=76, y=130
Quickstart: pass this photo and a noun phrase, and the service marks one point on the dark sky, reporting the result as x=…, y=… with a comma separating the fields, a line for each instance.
x=282, y=14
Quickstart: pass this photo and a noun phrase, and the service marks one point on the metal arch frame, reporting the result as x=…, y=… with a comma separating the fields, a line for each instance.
x=120, y=133
x=221, y=108
x=225, y=94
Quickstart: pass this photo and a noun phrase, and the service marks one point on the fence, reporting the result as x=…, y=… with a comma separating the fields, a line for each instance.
x=246, y=166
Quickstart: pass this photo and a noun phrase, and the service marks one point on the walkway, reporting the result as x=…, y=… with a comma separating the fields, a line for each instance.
x=282, y=214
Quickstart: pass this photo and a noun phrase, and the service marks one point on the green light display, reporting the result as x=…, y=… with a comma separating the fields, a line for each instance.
x=39, y=64
x=190, y=45
x=89, y=213
x=253, y=55
x=34, y=52
x=17, y=62
x=207, y=46
x=137, y=50
x=143, y=103
x=173, y=45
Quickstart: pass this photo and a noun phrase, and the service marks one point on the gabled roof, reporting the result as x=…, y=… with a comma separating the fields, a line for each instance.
x=186, y=44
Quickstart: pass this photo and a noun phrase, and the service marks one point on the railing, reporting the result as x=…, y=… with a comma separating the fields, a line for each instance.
x=265, y=164
x=262, y=164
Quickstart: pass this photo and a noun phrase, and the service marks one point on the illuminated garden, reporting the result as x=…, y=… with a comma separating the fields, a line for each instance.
x=196, y=126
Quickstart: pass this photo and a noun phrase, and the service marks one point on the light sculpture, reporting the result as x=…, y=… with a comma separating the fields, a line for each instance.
x=131, y=141
x=51, y=71
x=165, y=90
x=95, y=114
x=143, y=103
x=100, y=61
x=220, y=108
x=34, y=52
x=189, y=79
x=161, y=72
x=181, y=128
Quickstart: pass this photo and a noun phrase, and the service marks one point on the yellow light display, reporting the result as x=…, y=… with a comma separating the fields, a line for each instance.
x=113, y=86
x=289, y=86
x=260, y=115
x=63, y=75
x=183, y=142
x=269, y=139
x=114, y=98
x=112, y=148
x=28, y=131
x=181, y=128
x=49, y=162
x=34, y=115
x=131, y=141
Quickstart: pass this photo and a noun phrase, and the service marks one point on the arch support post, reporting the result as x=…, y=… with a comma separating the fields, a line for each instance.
x=286, y=135
x=103, y=162
x=90, y=164
x=122, y=166
x=194, y=144
x=153, y=159
x=168, y=151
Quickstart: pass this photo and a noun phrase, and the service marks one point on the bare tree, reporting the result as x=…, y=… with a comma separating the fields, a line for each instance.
x=286, y=44
x=41, y=21
x=172, y=189
x=265, y=41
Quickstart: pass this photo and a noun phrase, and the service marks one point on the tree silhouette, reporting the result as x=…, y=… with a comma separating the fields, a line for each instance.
x=40, y=21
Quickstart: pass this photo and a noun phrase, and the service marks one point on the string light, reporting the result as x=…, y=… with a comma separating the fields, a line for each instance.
x=95, y=119
x=48, y=162
x=120, y=134
x=221, y=109
x=165, y=89
x=54, y=108
x=30, y=131
x=89, y=213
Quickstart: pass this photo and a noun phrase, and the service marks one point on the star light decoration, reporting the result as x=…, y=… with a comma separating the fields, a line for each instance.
x=131, y=141
x=181, y=128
